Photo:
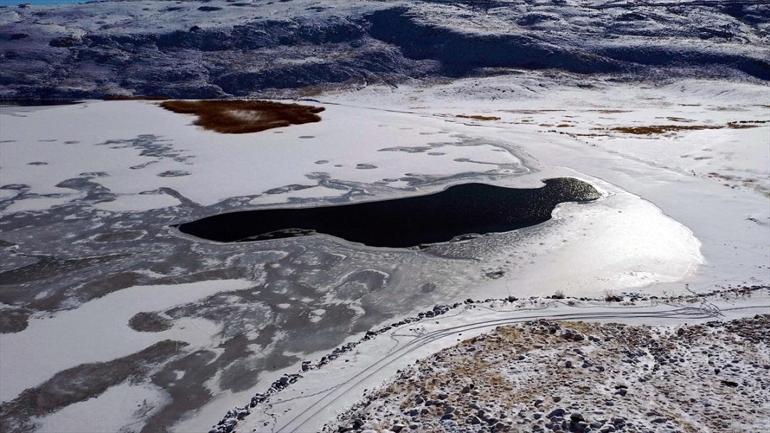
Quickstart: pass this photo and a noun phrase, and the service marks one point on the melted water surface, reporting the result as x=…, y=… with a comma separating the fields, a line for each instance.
x=458, y=211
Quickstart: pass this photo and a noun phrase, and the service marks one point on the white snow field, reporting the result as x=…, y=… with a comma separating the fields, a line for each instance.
x=232, y=165
x=321, y=394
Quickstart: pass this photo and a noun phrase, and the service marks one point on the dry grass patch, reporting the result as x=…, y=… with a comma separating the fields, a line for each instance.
x=240, y=117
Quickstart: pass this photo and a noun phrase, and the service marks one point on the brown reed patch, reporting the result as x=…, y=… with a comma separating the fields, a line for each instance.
x=240, y=116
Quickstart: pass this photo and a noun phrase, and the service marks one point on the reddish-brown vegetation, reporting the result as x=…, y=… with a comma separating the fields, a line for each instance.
x=239, y=117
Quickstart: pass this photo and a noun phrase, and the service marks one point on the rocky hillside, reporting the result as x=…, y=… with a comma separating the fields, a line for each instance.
x=578, y=377
x=192, y=49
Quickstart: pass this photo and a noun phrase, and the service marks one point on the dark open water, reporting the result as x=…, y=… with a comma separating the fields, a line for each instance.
x=405, y=222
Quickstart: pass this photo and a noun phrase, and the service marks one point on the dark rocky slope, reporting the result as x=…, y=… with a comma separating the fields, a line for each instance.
x=225, y=48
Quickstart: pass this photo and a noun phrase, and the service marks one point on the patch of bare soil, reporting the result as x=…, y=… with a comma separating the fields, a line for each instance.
x=734, y=181
x=240, y=117
x=663, y=129
x=532, y=111
x=743, y=124
x=547, y=376
x=149, y=322
x=13, y=320
x=477, y=117
x=610, y=111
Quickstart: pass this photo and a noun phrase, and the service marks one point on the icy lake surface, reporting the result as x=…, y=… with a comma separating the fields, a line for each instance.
x=457, y=213
x=90, y=191
x=40, y=2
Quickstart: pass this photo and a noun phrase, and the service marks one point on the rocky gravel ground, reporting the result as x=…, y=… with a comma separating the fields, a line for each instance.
x=546, y=376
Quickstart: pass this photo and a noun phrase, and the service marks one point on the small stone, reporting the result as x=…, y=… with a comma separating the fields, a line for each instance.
x=559, y=412
x=500, y=427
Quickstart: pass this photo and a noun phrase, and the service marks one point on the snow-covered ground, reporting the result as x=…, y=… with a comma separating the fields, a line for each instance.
x=321, y=394
x=89, y=191
x=142, y=147
x=551, y=375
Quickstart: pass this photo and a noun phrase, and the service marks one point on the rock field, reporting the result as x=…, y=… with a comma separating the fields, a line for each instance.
x=545, y=376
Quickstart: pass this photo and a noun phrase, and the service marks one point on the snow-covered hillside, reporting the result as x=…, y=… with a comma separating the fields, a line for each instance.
x=224, y=48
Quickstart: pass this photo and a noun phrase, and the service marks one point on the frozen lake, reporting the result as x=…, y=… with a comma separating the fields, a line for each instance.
x=40, y=2
x=184, y=328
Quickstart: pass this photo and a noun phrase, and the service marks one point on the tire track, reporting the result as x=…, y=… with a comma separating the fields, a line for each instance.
x=332, y=395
